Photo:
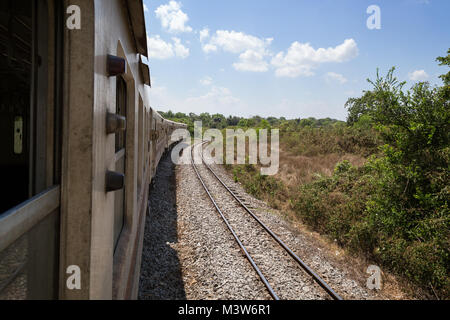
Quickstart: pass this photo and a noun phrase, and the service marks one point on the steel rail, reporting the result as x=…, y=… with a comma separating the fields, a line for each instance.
x=241, y=245
x=305, y=267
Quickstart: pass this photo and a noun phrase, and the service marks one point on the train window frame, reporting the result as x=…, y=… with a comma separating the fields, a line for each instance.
x=36, y=219
x=133, y=203
x=147, y=142
x=120, y=150
x=129, y=152
x=140, y=142
x=121, y=89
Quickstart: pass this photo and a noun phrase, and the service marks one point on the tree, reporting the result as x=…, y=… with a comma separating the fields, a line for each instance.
x=264, y=124
x=218, y=121
x=407, y=213
x=206, y=119
x=180, y=115
x=243, y=123
x=233, y=121
x=310, y=122
x=445, y=61
x=273, y=121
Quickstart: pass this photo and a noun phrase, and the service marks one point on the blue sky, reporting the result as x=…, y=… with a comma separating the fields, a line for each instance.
x=291, y=58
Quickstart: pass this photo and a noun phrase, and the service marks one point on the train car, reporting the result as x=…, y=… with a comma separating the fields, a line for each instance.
x=80, y=145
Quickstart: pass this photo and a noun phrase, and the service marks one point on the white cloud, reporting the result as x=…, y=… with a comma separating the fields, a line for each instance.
x=161, y=99
x=173, y=19
x=216, y=99
x=145, y=8
x=204, y=34
x=159, y=49
x=418, y=75
x=180, y=50
x=238, y=42
x=301, y=58
x=206, y=81
x=332, y=76
x=251, y=61
x=207, y=48
x=162, y=50
x=252, y=50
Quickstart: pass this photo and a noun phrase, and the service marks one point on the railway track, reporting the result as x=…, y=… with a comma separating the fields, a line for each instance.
x=244, y=248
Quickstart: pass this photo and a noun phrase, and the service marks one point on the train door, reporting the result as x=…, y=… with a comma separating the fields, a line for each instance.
x=30, y=130
x=120, y=158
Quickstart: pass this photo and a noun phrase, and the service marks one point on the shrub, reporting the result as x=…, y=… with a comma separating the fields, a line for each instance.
x=393, y=209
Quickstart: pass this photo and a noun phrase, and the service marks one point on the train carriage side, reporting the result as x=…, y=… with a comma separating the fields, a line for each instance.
x=86, y=147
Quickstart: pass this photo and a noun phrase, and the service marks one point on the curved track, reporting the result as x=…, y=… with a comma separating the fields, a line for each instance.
x=281, y=244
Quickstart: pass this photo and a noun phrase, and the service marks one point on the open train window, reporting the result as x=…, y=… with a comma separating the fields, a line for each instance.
x=30, y=42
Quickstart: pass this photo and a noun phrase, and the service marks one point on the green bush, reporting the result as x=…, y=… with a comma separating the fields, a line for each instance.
x=394, y=208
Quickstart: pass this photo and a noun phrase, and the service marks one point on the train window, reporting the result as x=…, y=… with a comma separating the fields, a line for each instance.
x=119, y=205
x=147, y=141
x=140, y=143
x=26, y=115
x=121, y=109
x=15, y=86
x=30, y=33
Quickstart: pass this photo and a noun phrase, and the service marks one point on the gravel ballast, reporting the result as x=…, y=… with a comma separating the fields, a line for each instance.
x=189, y=253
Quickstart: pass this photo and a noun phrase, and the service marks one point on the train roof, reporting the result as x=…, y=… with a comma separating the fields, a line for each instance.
x=137, y=22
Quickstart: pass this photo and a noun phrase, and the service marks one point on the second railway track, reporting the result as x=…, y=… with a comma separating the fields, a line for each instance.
x=283, y=273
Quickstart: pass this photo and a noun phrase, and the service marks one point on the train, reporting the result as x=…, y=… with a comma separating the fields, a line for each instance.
x=80, y=148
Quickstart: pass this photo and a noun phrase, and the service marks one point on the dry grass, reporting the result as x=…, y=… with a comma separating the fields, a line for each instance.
x=297, y=170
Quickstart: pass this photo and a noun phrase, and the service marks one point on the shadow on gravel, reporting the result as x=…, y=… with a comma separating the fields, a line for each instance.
x=161, y=275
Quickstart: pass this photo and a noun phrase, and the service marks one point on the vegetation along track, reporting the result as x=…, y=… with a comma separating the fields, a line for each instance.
x=278, y=267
